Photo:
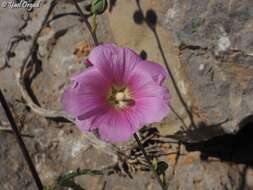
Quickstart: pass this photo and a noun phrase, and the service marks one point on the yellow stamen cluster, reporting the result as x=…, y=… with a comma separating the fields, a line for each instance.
x=119, y=97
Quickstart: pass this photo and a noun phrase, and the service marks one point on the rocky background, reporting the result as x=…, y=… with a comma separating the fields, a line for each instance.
x=206, y=46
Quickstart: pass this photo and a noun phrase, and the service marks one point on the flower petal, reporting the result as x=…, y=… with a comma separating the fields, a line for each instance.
x=114, y=126
x=113, y=62
x=151, y=109
x=101, y=57
x=84, y=125
x=151, y=100
x=156, y=70
x=83, y=96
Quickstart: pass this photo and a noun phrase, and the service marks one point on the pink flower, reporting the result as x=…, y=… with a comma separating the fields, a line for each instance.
x=118, y=94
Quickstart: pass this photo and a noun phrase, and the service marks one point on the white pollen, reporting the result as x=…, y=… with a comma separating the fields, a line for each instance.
x=120, y=96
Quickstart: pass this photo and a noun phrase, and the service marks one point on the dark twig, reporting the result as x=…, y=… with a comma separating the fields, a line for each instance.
x=34, y=42
x=20, y=142
x=188, y=111
x=9, y=50
x=184, y=127
x=148, y=161
x=58, y=16
x=85, y=19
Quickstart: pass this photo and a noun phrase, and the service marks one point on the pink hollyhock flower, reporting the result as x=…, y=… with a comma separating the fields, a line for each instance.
x=118, y=94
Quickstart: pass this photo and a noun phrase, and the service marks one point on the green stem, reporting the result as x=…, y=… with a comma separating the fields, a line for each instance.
x=149, y=161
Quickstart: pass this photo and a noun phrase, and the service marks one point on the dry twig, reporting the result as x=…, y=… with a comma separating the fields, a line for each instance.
x=9, y=50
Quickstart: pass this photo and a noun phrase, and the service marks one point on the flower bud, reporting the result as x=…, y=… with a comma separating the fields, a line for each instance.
x=98, y=6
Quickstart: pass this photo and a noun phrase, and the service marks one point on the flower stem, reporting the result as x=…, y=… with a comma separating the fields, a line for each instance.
x=85, y=19
x=149, y=161
x=20, y=141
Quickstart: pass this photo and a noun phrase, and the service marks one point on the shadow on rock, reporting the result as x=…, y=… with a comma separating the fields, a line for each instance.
x=235, y=148
x=112, y=3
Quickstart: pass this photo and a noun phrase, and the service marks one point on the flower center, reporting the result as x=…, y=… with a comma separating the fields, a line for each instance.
x=119, y=97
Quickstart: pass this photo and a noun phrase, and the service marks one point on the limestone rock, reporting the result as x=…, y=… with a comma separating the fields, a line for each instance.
x=216, y=43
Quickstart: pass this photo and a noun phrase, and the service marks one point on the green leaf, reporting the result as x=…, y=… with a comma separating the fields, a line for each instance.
x=161, y=167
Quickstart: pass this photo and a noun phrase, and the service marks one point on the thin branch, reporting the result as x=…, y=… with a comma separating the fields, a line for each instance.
x=20, y=141
x=184, y=127
x=85, y=19
x=60, y=15
x=34, y=42
x=9, y=50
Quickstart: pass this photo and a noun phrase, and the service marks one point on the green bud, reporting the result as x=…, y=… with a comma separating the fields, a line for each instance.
x=98, y=6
